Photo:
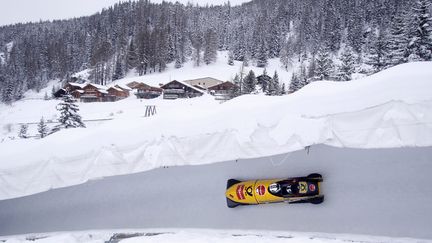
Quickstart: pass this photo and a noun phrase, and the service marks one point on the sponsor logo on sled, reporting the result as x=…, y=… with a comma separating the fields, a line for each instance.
x=249, y=191
x=303, y=187
x=260, y=190
x=239, y=192
x=312, y=187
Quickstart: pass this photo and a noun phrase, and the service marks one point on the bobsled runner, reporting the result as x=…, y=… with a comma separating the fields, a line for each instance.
x=291, y=190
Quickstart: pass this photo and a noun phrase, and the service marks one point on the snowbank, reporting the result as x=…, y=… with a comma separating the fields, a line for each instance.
x=195, y=235
x=390, y=109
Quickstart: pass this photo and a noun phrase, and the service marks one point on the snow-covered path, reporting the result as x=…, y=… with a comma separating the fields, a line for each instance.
x=375, y=192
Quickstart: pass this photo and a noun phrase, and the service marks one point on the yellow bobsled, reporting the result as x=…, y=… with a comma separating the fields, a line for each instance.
x=292, y=190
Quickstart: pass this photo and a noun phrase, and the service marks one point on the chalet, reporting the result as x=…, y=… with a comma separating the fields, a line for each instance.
x=177, y=89
x=60, y=93
x=222, y=91
x=116, y=93
x=77, y=93
x=203, y=82
x=144, y=91
x=123, y=87
x=95, y=93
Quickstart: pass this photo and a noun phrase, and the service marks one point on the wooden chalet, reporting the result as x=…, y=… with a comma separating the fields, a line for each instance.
x=144, y=91
x=60, y=93
x=177, y=89
x=95, y=93
x=222, y=91
x=116, y=93
x=77, y=93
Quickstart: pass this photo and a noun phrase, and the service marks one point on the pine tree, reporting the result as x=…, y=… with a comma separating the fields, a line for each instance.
x=283, y=89
x=69, y=117
x=324, y=66
x=295, y=83
x=210, y=49
x=132, y=57
x=230, y=58
x=276, y=85
x=420, y=46
x=42, y=128
x=264, y=81
x=236, y=90
x=303, y=78
x=377, y=53
x=398, y=41
x=23, y=131
x=347, y=67
x=118, y=72
x=286, y=55
x=262, y=55
x=249, y=83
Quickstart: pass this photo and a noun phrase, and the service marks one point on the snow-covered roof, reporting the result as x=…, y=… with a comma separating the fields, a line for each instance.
x=77, y=84
x=115, y=88
x=98, y=86
x=186, y=84
x=79, y=91
x=124, y=87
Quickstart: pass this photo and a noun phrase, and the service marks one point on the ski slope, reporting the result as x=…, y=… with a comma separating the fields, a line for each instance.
x=381, y=192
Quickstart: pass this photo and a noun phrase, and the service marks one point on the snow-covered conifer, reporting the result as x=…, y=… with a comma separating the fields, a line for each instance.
x=324, y=65
x=420, y=46
x=69, y=117
x=379, y=47
x=23, y=131
x=347, y=66
x=249, y=83
x=42, y=128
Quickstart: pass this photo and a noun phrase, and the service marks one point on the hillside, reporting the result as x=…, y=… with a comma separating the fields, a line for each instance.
x=145, y=38
x=388, y=109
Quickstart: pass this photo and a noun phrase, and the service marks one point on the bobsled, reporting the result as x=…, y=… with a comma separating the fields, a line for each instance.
x=291, y=190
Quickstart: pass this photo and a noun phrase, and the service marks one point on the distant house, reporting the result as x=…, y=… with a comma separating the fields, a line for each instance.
x=177, y=89
x=60, y=93
x=115, y=93
x=203, y=82
x=144, y=91
x=123, y=87
x=95, y=93
x=222, y=91
x=77, y=93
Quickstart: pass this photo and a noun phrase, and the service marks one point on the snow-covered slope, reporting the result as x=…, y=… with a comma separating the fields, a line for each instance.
x=390, y=109
x=193, y=236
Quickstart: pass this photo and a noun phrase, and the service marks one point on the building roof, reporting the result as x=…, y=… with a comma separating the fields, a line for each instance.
x=77, y=84
x=115, y=88
x=124, y=87
x=227, y=84
x=205, y=82
x=100, y=88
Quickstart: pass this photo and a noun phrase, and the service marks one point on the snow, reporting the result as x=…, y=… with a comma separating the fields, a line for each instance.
x=219, y=70
x=197, y=236
x=390, y=109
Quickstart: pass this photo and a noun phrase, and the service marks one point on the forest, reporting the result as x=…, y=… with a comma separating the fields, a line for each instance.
x=144, y=36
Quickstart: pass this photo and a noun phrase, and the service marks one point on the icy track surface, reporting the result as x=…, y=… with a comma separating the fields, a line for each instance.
x=383, y=192
x=199, y=236
x=390, y=109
